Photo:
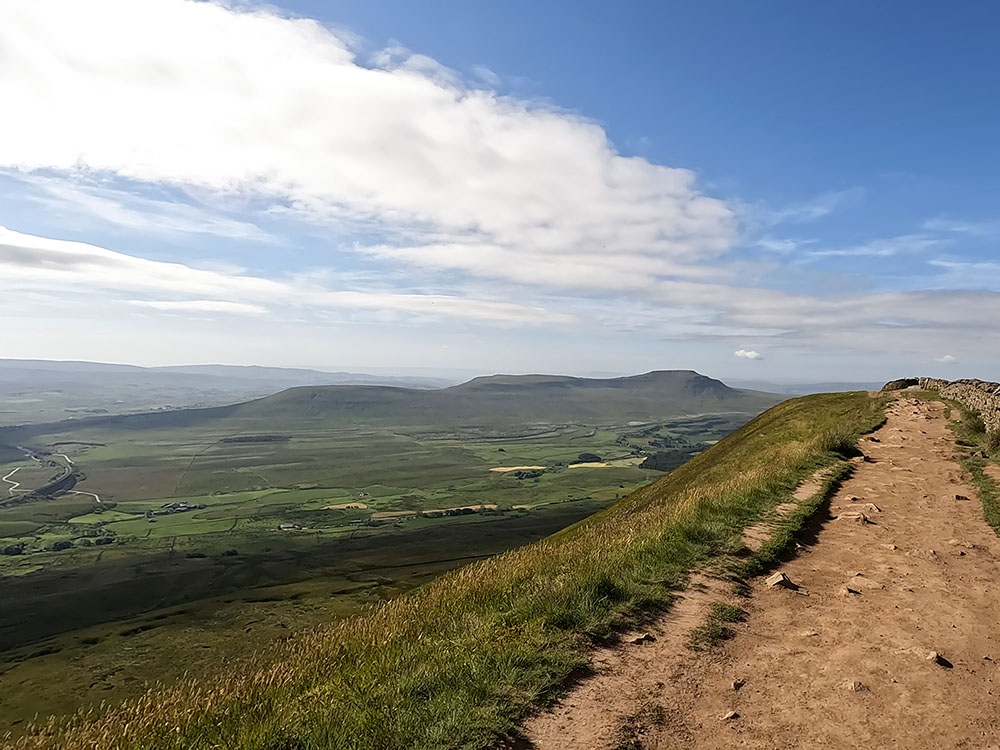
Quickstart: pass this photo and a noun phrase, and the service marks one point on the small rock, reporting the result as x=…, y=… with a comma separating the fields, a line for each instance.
x=644, y=638
x=848, y=591
x=890, y=546
x=857, y=687
x=780, y=579
x=936, y=658
x=962, y=497
x=737, y=684
x=809, y=634
x=731, y=716
x=873, y=507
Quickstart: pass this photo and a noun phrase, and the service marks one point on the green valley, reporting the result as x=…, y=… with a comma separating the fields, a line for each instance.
x=184, y=528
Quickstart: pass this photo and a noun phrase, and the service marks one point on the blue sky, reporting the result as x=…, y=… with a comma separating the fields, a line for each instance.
x=782, y=191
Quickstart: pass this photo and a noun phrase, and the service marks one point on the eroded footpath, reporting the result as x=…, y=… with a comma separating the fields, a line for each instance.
x=892, y=641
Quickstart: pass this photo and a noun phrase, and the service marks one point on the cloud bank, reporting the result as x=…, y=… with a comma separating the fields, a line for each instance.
x=243, y=100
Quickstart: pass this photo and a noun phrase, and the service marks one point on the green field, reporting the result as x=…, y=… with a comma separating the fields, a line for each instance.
x=145, y=595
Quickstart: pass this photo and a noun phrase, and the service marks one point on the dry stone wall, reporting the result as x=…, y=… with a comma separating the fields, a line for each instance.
x=977, y=395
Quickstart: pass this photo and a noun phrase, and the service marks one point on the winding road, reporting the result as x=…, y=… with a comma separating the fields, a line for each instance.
x=70, y=465
x=13, y=485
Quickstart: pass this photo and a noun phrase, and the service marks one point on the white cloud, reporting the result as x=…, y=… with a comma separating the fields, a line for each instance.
x=889, y=246
x=241, y=100
x=947, y=359
x=121, y=208
x=958, y=226
x=748, y=354
x=817, y=208
x=200, y=305
x=31, y=264
x=486, y=75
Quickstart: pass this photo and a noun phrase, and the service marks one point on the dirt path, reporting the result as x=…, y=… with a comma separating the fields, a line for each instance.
x=835, y=668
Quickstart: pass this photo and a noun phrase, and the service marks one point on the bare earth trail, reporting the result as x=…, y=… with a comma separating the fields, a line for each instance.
x=827, y=667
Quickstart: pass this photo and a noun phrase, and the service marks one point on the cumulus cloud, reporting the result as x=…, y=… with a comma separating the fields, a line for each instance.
x=947, y=359
x=238, y=99
x=748, y=354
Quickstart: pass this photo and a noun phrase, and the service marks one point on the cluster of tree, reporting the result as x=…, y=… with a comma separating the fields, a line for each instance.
x=527, y=473
x=665, y=460
x=589, y=458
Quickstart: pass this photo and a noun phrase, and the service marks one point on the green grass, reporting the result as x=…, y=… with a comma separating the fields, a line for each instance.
x=790, y=527
x=979, y=449
x=716, y=629
x=458, y=662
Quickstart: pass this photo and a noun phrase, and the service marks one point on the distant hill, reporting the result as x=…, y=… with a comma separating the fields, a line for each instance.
x=517, y=398
x=47, y=390
x=485, y=401
x=804, y=389
x=298, y=376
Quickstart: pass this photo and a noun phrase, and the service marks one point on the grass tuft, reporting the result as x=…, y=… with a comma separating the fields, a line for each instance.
x=633, y=727
x=716, y=629
x=992, y=442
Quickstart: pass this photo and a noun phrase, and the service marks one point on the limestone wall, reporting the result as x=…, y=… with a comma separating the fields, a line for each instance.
x=977, y=395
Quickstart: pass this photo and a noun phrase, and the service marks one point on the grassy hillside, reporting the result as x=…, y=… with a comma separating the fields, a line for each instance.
x=459, y=661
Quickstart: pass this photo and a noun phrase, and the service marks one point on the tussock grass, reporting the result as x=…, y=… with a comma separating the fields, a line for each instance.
x=717, y=629
x=457, y=663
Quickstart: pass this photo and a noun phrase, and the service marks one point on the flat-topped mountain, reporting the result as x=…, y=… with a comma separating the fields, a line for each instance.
x=515, y=398
x=498, y=399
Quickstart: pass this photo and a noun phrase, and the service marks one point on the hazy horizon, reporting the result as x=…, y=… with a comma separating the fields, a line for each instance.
x=462, y=374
